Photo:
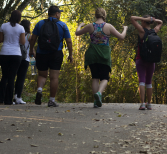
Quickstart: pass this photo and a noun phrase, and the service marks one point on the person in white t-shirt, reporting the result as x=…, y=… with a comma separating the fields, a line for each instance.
x=11, y=34
x=22, y=71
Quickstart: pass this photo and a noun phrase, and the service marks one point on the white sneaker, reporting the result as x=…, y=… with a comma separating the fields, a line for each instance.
x=20, y=101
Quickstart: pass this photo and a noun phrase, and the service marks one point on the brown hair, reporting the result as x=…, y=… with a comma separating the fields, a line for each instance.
x=26, y=24
x=101, y=13
x=15, y=18
x=146, y=16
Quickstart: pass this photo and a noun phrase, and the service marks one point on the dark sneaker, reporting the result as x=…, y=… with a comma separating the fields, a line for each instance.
x=38, y=98
x=95, y=106
x=142, y=106
x=148, y=106
x=52, y=104
x=98, y=98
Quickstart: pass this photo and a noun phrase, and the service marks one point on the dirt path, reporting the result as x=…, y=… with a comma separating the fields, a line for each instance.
x=81, y=129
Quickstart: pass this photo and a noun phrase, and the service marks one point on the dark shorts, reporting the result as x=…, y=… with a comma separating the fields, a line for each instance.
x=51, y=60
x=100, y=71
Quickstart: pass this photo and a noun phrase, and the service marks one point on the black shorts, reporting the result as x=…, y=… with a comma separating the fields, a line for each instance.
x=51, y=60
x=100, y=71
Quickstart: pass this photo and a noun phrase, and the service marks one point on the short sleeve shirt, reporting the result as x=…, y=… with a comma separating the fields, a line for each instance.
x=62, y=33
x=11, y=45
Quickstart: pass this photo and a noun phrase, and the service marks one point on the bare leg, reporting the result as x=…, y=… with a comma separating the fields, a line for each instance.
x=149, y=94
x=42, y=76
x=103, y=85
x=54, y=74
x=142, y=93
x=95, y=85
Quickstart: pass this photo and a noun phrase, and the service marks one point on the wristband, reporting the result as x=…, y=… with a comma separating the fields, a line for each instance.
x=151, y=18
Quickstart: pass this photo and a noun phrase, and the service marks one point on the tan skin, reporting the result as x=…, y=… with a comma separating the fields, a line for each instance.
x=53, y=74
x=108, y=29
x=141, y=32
x=139, y=27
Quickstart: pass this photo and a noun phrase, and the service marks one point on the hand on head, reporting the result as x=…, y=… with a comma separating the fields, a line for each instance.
x=125, y=27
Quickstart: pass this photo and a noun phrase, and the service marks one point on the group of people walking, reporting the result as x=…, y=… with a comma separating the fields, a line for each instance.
x=97, y=57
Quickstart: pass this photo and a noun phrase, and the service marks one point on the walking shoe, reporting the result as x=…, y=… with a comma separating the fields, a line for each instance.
x=52, y=104
x=38, y=98
x=98, y=98
x=95, y=106
x=19, y=101
x=142, y=106
x=148, y=106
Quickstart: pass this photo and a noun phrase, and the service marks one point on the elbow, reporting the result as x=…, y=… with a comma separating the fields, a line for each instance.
x=132, y=18
x=24, y=42
x=122, y=38
x=76, y=34
x=161, y=22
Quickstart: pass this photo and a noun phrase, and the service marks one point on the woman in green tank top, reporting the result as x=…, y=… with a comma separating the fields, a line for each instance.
x=98, y=55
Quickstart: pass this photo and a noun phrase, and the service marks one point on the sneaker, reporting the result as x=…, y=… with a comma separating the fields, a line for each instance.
x=95, y=106
x=19, y=101
x=38, y=98
x=98, y=98
x=52, y=104
x=148, y=106
x=142, y=106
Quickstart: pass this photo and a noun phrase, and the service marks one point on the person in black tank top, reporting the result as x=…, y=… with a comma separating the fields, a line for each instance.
x=145, y=70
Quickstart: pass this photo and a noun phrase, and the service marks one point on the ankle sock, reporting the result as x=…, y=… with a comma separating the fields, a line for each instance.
x=15, y=96
x=100, y=93
x=39, y=89
x=52, y=99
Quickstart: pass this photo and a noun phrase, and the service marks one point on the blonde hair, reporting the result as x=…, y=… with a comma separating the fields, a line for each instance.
x=101, y=13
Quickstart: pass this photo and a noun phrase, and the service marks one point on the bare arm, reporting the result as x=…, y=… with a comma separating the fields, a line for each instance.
x=134, y=20
x=117, y=34
x=32, y=43
x=159, y=24
x=69, y=45
x=1, y=37
x=22, y=38
x=29, y=39
x=84, y=30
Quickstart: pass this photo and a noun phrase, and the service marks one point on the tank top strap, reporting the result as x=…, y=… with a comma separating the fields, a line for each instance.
x=99, y=25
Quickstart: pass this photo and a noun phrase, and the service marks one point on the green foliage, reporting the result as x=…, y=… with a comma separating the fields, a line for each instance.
x=74, y=81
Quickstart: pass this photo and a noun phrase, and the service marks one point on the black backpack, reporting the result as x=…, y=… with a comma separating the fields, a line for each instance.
x=49, y=39
x=151, y=47
x=24, y=51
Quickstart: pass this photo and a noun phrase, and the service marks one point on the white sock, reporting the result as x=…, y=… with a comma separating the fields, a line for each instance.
x=18, y=99
x=100, y=93
x=52, y=99
x=39, y=89
x=15, y=96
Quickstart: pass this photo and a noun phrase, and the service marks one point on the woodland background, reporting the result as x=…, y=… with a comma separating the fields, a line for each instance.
x=74, y=81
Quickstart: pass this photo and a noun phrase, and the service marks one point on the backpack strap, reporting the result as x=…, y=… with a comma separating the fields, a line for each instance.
x=27, y=39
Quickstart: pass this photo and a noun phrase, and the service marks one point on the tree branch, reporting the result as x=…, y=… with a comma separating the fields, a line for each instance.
x=35, y=16
x=23, y=5
x=43, y=12
x=6, y=9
